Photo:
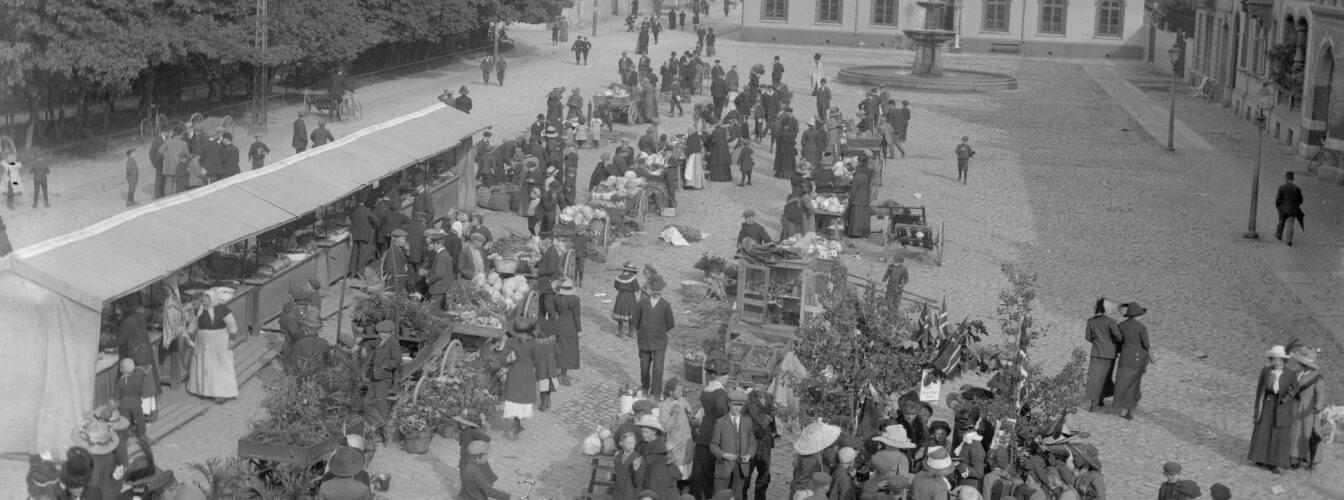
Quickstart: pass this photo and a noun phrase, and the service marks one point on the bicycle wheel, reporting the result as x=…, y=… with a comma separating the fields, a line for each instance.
x=356, y=109
x=146, y=130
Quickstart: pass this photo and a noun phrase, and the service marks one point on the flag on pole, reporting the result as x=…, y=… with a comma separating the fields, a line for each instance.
x=923, y=335
x=949, y=357
x=942, y=320
x=1021, y=362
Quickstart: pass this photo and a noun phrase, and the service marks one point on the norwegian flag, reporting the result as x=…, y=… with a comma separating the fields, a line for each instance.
x=949, y=357
x=924, y=330
x=1021, y=362
x=942, y=320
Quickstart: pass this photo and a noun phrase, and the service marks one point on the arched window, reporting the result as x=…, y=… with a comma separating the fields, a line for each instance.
x=996, y=15
x=1110, y=18
x=1052, y=17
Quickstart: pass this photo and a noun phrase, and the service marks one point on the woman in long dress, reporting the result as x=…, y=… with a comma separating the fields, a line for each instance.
x=1271, y=439
x=674, y=414
x=1133, y=358
x=544, y=362
x=720, y=157
x=568, y=324
x=817, y=73
x=212, y=371
x=649, y=94
x=1310, y=400
x=520, y=383
x=860, y=198
x=695, y=161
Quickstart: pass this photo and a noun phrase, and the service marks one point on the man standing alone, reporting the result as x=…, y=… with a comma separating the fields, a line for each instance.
x=500, y=66
x=300, y=140
x=777, y=72
x=651, y=321
x=1289, y=203
x=257, y=152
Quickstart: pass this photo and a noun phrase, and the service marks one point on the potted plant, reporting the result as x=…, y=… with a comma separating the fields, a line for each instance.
x=416, y=419
x=309, y=413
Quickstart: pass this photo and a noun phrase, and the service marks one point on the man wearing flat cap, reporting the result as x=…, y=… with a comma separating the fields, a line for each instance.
x=439, y=268
x=733, y=446
x=471, y=262
x=752, y=229
x=395, y=264
x=386, y=359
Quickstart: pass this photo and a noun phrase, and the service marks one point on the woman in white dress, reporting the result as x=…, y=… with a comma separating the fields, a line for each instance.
x=817, y=73
x=212, y=371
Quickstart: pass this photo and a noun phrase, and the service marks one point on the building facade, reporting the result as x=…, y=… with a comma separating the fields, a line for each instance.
x=1069, y=28
x=1238, y=44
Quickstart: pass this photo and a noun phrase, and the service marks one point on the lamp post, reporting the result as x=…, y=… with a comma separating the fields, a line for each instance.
x=1175, y=53
x=1264, y=102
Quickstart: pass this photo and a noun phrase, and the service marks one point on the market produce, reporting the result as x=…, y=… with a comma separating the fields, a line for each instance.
x=815, y=246
x=480, y=318
x=827, y=204
x=581, y=215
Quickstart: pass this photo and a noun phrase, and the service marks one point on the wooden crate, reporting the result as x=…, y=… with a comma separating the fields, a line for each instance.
x=298, y=455
x=477, y=331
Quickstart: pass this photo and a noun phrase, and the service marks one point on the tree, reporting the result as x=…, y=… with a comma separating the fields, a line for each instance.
x=1177, y=16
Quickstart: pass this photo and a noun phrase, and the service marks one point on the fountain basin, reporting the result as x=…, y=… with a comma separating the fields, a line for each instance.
x=953, y=80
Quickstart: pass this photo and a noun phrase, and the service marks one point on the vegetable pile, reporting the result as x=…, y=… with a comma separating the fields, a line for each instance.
x=581, y=215
x=814, y=246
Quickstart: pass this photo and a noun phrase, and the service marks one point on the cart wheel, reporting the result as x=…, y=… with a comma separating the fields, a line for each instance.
x=356, y=109
x=196, y=119
x=451, y=355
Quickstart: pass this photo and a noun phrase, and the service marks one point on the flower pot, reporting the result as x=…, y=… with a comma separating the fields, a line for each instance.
x=417, y=443
x=695, y=370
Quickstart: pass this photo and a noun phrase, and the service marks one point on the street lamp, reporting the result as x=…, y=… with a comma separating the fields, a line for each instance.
x=1264, y=101
x=1175, y=53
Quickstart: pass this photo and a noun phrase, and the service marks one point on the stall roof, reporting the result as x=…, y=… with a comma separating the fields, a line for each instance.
x=134, y=248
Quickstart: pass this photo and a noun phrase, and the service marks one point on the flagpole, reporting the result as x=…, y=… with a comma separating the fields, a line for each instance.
x=1021, y=368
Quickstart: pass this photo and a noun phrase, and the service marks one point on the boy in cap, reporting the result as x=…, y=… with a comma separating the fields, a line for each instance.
x=1174, y=488
x=752, y=229
x=964, y=155
x=386, y=359
x=733, y=445
x=257, y=152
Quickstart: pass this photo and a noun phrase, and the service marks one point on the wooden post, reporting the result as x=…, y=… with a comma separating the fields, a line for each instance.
x=345, y=283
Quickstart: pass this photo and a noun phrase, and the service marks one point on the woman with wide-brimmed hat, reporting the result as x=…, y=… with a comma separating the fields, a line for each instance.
x=1133, y=359
x=890, y=456
x=101, y=443
x=656, y=474
x=1271, y=438
x=565, y=311
x=345, y=463
x=1087, y=479
x=1309, y=400
x=520, y=383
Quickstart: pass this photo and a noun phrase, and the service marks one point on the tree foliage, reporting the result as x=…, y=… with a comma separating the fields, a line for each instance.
x=1177, y=16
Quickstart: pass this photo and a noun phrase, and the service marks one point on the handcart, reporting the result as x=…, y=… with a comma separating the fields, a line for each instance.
x=910, y=227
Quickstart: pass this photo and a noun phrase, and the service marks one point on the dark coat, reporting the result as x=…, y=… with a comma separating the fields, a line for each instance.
x=548, y=269
x=397, y=270
x=777, y=71
x=300, y=139
x=1133, y=343
x=362, y=224
x=463, y=104
x=211, y=156
x=568, y=324
x=440, y=273
x=754, y=231
x=718, y=88
x=651, y=323
x=655, y=474
x=718, y=147
x=715, y=403
x=648, y=143
x=478, y=483
x=740, y=441
x=1104, y=334
x=423, y=203
x=386, y=360
x=1271, y=437
x=520, y=384
x=1289, y=199
x=321, y=136
x=228, y=160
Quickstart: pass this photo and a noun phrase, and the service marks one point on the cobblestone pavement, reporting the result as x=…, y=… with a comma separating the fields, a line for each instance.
x=1066, y=183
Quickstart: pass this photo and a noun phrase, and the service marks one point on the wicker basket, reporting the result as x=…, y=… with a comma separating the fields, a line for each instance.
x=506, y=266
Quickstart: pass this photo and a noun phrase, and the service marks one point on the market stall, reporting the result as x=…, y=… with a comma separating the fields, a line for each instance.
x=612, y=104
x=55, y=292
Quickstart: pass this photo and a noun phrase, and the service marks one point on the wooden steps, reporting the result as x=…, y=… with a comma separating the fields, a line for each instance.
x=250, y=356
x=171, y=417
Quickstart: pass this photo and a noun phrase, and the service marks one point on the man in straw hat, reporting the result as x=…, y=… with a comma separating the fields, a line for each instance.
x=651, y=321
x=1310, y=402
x=733, y=445
x=932, y=482
x=345, y=465
x=1104, y=335
x=478, y=479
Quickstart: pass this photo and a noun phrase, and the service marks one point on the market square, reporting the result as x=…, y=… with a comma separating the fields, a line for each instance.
x=1069, y=188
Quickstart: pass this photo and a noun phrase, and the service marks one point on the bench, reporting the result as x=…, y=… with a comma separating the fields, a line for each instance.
x=322, y=101
x=1005, y=47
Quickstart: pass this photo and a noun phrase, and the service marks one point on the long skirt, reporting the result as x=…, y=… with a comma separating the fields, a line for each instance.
x=721, y=172
x=786, y=160
x=1100, y=385
x=212, y=371
x=859, y=221
x=789, y=228
x=1128, y=391
x=567, y=352
x=1271, y=439
x=695, y=171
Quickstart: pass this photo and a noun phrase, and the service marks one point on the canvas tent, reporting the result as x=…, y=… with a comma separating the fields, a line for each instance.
x=52, y=294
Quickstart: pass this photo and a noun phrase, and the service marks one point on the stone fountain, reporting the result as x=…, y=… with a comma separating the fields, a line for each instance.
x=927, y=72
x=929, y=41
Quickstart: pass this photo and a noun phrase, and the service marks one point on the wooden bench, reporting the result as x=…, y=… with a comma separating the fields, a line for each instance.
x=1005, y=47
x=322, y=101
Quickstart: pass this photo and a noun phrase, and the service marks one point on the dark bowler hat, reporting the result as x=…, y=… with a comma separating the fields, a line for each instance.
x=1134, y=310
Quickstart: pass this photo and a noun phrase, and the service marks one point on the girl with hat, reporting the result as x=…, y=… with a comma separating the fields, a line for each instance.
x=100, y=442
x=546, y=366
x=109, y=415
x=932, y=481
x=1271, y=438
x=564, y=311
x=520, y=384
x=627, y=287
x=344, y=464
x=1133, y=359
x=813, y=453
x=1309, y=401
x=212, y=371
x=674, y=415
x=627, y=466
x=890, y=457
x=656, y=474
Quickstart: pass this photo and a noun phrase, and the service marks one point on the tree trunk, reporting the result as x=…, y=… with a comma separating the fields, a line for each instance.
x=111, y=100
x=34, y=116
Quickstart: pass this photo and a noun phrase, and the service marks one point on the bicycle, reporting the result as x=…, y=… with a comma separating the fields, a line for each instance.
x=153, y=123
x=531, y=483
x=351, y=107
x=1316, y=161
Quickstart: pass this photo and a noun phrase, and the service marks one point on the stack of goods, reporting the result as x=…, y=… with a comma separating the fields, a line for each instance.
x=618, y=194
x=506, y=293
x=811, y=245
x=827, y=204
x=581, y=215
x=631, y=402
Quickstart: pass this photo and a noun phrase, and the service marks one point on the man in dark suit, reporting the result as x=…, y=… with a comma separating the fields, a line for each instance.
x=463, y=102
x=415, y=240
x=362, y=234
x=777, y=72
x=395, y=264
x=733, y=445
x=1289, y=202
x=648, y=143
x=156, y=160
x=548, y=270
x=212, y=157
x=228, y=157
x=761, y=409
x=718, y=91
x=652, y=320
x=1104, y=335
x=439, y=274
x=300, y=140
x=383, y=366
x=823, y=99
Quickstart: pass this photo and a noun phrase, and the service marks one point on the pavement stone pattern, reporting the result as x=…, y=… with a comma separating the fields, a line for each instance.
x=1067, y=183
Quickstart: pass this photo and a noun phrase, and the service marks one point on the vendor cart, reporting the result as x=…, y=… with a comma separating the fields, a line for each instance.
x=910, y=227
x=612, y=104
x=830, y=223
x=776, y=299
x=599, y=240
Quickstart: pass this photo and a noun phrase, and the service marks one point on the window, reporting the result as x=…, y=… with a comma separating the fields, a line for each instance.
x=1110, y=18
x=884, y=12
x=995, y=15
x=776, y=10
x=828, y=11
x=1052, y=17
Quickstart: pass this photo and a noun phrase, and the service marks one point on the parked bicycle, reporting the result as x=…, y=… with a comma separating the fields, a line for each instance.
x=153, y=123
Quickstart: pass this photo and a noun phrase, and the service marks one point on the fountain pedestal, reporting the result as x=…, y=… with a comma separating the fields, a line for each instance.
x=929, y=41
x=927, y=72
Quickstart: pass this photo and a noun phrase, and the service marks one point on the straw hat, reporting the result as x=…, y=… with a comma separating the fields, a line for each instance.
x=939, y=461
x=563, y=287
x=894, y=436
x=346, y=462
x=649, y=420
x=1276, y=352
x=628, y=267
x=97, y=437
x=816, y=437
x=1306, y=356
x=1084, y=453
x=109, y=415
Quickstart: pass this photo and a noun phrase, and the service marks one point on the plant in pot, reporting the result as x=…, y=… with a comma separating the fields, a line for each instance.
x=416, y=419
x=375, y=303
x=308, y=414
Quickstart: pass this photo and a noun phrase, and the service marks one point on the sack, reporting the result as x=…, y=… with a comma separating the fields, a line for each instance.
x=501, y=202
x=592, y=445
x=483, y=197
